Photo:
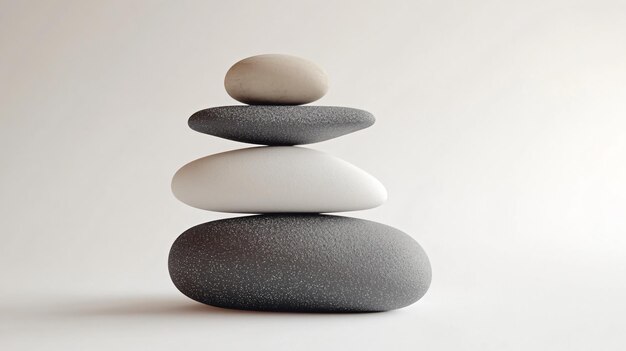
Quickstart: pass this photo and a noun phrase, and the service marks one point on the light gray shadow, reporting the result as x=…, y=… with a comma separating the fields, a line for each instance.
x=136, y=306
x=171, y=306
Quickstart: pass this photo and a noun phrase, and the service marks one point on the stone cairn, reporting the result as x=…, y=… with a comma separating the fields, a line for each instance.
x=288, y=257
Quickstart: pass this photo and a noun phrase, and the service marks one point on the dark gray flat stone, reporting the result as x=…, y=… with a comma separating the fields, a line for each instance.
x=300, y=263
x=280, y=125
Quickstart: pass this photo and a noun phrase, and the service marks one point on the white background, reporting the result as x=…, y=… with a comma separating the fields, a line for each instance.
x=500, y=135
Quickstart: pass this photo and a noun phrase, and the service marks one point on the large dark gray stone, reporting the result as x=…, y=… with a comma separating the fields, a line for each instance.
x=305, y=263
x=280, y=125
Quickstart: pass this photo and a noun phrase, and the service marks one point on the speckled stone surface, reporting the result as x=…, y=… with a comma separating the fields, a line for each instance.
x=299, y=263
x=280, y=125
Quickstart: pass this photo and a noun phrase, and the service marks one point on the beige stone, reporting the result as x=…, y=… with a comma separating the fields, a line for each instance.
x=275, y=79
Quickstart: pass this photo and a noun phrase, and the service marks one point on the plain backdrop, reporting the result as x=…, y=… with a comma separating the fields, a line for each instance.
x=500, y=136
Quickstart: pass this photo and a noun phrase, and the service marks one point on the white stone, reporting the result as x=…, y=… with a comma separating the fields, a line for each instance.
x=276, y=80
x=276, y=179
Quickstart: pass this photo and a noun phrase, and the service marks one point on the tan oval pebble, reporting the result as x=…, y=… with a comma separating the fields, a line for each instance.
x=274, y=79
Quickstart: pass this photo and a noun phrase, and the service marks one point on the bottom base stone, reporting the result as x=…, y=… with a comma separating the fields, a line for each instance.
x=299, y=263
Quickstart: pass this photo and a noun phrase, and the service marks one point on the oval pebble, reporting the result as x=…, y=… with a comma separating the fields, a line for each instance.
x=280, y=125
x=306, y=263
x=274, y=79
x=276, y=179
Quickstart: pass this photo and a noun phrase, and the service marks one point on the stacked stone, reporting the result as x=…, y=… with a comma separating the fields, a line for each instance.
x=290, y=257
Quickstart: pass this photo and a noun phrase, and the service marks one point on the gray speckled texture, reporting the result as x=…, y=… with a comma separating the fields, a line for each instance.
x=299, y=263
x=280, y=125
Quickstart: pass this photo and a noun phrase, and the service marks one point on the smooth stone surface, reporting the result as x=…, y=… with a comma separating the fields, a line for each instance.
x=276, y=179
x=280, y=125
x=275, y=79
x=306, y=263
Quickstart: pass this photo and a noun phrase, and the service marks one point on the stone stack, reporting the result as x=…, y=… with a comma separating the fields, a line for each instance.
x=289, y=257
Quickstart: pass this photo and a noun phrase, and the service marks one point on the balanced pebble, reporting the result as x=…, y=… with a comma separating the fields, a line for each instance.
x=274, y=79
x=280, y=125
x=306, y=263
x=276, y=179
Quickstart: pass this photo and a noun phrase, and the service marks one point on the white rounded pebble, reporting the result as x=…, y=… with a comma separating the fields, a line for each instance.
x=276, y=179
